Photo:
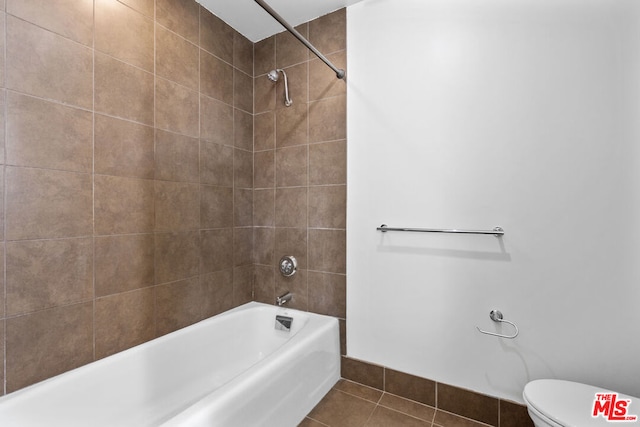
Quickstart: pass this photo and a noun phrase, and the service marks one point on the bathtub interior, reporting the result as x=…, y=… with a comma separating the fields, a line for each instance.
x=151, y=383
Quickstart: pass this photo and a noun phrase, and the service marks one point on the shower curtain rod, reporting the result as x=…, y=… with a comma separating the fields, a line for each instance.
x=339, y=72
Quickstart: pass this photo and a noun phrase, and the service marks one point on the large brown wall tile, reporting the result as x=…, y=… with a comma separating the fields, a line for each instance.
x=177, y=157
x=243, y=284
x=216, y=253
x=289, y=51
x=328, y=163
x=123, y=263
x=242, y=168
x=179, y=304
x=292, y=166
x=242, y=246
x=124, y=33
x=177, y=256
x=177, y=108
x=327, y=250
x=47, y=343
x=47, y=135
x=124, y=320
x=179, y=16
x=216, y=78
x=216, y=36
x=328, y=206
x=146, y=7
x=218, y=289
x=242, y=91
x=291, y=125
x=45, y=203
x=264, y=172
x=177, y=59
x=328, y=119
x=69, y=19
x=264, y=284
x=48, y=273
x=216, y=164
x=177, y=206
x=243, y=129
x=242, y=53
x=291, y=207
x=123, y=205
x=264, y=56
x=328, y=33
x=60, y=68
x=263, y=245
x=122, y=90
x=328, y=294
x=264, y=208
x=216, y=121
x=243, y=207
x=216, y=206
x=123, y=148
x=264, y=132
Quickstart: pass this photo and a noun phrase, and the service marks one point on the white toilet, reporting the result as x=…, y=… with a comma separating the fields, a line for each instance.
x=557, y=403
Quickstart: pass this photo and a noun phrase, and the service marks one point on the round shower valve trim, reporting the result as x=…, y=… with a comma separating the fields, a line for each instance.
x=288, y=265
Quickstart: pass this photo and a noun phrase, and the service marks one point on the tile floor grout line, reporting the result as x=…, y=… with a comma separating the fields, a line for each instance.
x=319, y=422
x=407, y=414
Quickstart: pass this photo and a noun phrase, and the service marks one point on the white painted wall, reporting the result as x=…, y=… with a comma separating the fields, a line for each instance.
x=478, y=113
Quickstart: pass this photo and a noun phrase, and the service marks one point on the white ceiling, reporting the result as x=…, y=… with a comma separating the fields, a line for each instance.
x=248, y=18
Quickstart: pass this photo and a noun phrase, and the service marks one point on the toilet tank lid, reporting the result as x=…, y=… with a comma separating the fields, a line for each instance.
x=571, y=404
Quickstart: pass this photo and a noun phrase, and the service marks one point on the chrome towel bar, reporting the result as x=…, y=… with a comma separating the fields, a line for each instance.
x=497, y=231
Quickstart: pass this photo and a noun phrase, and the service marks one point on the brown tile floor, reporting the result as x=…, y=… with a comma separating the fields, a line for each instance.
x=351, y=404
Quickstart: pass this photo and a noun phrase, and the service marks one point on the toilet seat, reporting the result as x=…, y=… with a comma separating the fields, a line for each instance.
x=569, y=404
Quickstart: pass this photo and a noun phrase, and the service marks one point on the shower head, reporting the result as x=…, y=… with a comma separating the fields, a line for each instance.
x=274, y=76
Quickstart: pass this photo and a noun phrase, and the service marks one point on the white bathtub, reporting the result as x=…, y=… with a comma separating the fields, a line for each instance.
x=234, y=369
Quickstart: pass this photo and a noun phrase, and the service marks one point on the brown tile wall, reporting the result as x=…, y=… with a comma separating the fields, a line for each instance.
x=126, y=154
x=299, y=199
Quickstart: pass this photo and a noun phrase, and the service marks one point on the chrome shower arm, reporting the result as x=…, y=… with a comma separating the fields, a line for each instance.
x=287, y=100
